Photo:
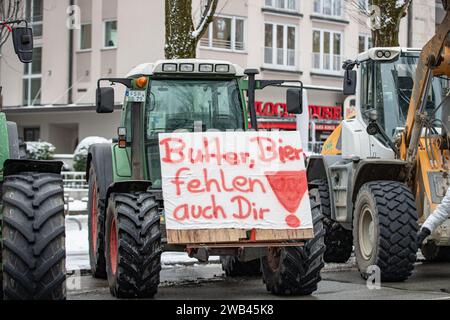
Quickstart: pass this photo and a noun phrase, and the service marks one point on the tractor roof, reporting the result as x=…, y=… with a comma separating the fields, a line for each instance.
x=188, y=67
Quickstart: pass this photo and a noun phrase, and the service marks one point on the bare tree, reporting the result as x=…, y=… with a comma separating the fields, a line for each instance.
x=386, y=31
x=182, y=36
x=385, y=17
x=9, y=10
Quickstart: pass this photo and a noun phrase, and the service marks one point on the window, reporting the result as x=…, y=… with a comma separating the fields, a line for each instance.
x=363, y=5
x=110, y=34
x=327, y=50
x=86, y=37
x=187, y=105
x=32, y=79
x=289, y=5
x=34, y=10
x=364, y=43
x=328, y=7
x=280, y=45
x=31, y=134
x=226, y=33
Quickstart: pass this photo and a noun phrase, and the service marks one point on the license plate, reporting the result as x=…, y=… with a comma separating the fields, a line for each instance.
x=136, y=96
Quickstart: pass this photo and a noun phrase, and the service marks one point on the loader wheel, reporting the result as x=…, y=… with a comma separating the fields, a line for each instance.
x=385, y=230
x=96, y=228
x=33, y=237
x=338, y=241
x=133, y=245
x=433, y=253
x=296, y=270
x=234, y=268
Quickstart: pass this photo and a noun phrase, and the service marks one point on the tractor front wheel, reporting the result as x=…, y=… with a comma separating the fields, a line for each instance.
x=33, y=237
x=385, y=230
x=296, y=270
x=133, y=245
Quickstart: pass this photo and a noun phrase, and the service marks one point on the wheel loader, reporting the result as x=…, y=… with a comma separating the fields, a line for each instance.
x=127, y=225
x=384, y=171
x=31, y=210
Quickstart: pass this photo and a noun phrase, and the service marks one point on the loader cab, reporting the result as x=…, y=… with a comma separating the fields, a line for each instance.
x=385, y=81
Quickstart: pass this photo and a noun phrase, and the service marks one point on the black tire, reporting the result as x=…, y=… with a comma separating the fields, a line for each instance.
x=433, y=253
x=296, y=270
x=34, y=237
x=338, y=240
x=134, y=221
x=234, y=268
x=96, y=227
x=393, y=245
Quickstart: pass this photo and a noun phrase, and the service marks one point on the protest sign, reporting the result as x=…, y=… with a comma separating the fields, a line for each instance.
x=235, y=182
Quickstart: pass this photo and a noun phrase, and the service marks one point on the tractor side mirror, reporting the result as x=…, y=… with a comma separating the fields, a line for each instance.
x=105, y=100
x=350, y=80
x=294, y=101
x=23, y=43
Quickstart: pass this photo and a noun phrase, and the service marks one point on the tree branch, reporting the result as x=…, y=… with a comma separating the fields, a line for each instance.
x=206, y=19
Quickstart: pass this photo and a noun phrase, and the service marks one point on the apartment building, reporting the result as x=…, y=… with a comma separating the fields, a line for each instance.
x=52, y=99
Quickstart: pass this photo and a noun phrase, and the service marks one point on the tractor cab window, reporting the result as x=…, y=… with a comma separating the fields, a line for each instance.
x=189, y=106
x=391, y=89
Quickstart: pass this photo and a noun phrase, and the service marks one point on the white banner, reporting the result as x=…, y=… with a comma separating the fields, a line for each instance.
x=234, y=180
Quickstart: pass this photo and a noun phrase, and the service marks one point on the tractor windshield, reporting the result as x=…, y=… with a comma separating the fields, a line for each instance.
x=189, y=106
x=389, y=89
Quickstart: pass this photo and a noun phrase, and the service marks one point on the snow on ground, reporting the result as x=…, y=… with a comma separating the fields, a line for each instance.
x=77, y=206
x=77, y=248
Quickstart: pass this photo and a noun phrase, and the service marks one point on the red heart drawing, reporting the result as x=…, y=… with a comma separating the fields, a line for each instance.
x=290, y=188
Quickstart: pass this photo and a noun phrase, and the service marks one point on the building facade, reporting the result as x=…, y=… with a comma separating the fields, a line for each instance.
x=52, y=99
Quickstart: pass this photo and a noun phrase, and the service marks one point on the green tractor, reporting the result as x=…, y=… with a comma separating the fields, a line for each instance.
x=31, y=211
x=127, y=233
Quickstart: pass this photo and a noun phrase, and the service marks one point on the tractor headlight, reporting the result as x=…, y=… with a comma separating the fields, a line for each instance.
x=170, y=67
x=380, y=54
x=206, y=68
x=223, y=68
x=186, y=67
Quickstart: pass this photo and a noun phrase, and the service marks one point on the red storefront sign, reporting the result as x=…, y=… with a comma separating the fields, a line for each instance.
x=278, y=111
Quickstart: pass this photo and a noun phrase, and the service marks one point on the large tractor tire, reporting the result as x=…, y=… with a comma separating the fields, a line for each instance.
x=235, y=268
x=385, y=230
x=96, y=228
x=338, y=241
x=433, y=253
x=296, y=270
x=33, y=237
x=133, y=245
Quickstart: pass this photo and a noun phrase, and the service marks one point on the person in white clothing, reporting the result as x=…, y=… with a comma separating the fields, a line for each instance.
x=439, y=216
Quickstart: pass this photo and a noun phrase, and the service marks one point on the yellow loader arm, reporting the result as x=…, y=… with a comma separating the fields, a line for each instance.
x=434, y=61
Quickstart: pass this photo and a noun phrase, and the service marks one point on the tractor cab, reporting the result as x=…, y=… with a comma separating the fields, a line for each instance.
x=187, y=95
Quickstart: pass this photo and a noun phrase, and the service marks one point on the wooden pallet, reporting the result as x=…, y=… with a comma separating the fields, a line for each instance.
x=191, y=237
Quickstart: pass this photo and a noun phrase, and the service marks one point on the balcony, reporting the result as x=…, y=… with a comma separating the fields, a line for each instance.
x=226, y=45
x=327, y=63
x=284, y=59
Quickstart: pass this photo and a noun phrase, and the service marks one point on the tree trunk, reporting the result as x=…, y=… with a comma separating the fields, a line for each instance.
x=388, y=15
x=181, y=35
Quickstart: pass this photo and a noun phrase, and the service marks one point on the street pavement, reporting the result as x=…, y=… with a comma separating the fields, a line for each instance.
x=183, y=278
x=200, y=282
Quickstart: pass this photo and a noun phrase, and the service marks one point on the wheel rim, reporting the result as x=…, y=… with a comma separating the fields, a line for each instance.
x=367, y=233
x=94, y=214
x=273, y=258
x=113, y=246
